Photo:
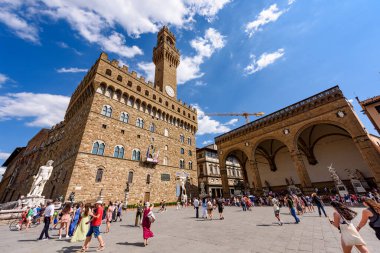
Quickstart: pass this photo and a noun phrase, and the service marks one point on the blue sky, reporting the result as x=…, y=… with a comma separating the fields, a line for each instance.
x=236, y=56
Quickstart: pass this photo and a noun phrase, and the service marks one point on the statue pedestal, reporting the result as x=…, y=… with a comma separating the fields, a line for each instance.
x=342, y=189
x=32, y=201
x=358, y=187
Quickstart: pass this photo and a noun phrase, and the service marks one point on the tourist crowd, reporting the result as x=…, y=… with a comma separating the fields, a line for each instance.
x=80, y=222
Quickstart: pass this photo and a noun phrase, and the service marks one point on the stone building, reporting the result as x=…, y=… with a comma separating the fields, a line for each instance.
x=120, y=134
x=209, y=172
x=295, y=145
x=371, y=107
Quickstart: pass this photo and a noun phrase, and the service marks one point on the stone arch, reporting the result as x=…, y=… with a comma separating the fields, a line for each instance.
x=110, y=91
x=131, y=101
x=322, y=143
x=154, y=111
x=117, y=95
x=242, y=157
x=102, y=88
x=137, y=104
x=149, y=109
x=143, y=107
x=124, y=98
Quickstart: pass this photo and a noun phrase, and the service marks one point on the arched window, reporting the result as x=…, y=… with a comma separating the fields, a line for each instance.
x=182, y=151
x=138, y=88
x=181, y=164
x=130, y=177
x=189, y=141
x=181, y=138
x=136, y=155
x=119, y=78
x=190, y=165
x=107, y=110
x=99, y=175
x=148, y=179
x=118, y=152
x=124, y=117
x=166, y=147
x=146, y=93
x=154, y=97
x=166, y=132
x=152, y=128
x=165, y=161
x=140, y=122
x=190, y=153
x=98, y=148
x=108, y=72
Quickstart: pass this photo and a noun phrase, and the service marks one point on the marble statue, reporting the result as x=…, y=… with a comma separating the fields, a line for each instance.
x=334, y=175
x=41, y=178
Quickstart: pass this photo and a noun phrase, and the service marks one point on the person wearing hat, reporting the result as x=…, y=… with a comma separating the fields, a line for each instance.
x=95, y=223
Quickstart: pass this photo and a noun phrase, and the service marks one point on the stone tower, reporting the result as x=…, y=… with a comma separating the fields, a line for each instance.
x=166, y=59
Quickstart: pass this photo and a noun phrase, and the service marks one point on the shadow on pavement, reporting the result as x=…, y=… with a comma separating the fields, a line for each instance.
x=139, y=244
x=70, y=249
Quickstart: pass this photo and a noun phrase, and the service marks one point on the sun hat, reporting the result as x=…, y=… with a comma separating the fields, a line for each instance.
x=99, y=202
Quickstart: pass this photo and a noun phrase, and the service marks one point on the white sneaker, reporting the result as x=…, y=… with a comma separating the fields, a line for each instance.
x=60, y=237
x=67, y=236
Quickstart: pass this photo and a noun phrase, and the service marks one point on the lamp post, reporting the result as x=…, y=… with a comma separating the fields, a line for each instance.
x=126, y=195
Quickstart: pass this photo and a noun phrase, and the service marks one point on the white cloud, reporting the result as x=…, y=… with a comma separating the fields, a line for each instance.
x=207, y=8
x=148, y=68
x=3, y=79
x=232, y=122
x=200, y=83
x=71, y=70
x=207, y=142
x=4, y=156
x=45, y=110
x=290, y=2
x=206, y=125
x=189, y=68
x=21, y=27
x=266, y=16
x=96, y=21
x=264, y=60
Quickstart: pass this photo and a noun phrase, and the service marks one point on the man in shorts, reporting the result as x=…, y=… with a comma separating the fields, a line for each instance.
x=96, y=221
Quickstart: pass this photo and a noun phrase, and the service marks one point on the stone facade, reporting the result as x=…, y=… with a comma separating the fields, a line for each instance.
x=117, y=124
x=371, y=107
x=289, y=137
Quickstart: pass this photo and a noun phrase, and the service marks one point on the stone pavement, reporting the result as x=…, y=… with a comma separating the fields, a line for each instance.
x=179, y=231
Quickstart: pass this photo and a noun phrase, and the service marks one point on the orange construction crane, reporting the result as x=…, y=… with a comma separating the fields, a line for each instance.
x=244, y=114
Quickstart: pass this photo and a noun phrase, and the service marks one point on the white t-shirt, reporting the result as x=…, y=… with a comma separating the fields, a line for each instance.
x=49, y=211
x=196, y=203
x=276, y=205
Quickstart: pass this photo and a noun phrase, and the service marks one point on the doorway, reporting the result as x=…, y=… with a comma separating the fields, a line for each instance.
x=147, y=197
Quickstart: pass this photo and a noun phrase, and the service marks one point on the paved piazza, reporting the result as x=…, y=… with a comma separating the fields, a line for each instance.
x=178, y=231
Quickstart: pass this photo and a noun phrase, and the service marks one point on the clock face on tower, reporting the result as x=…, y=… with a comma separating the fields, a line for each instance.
x=169, y=90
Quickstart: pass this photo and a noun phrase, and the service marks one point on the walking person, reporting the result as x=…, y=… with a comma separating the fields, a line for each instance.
x=290, y=203
x=204, y=208
x=48, y=217
x=196, y=207
x=119, y=211
x=109, y=217
x=276, y=208
x=65, y=220
x=76, y=218
x=209, y=209
x=82, y=228
x=243, y=204
x=350, y=237
x=95, y=223
x=372, y=213
x=220, y=204
x=139, y=213
x=318, y=202
x=147, y=222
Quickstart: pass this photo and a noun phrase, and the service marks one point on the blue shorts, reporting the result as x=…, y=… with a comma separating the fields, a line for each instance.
x=93, y=230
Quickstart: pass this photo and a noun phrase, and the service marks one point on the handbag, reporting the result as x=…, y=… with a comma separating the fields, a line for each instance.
x=350, y=236
x=151, y=217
